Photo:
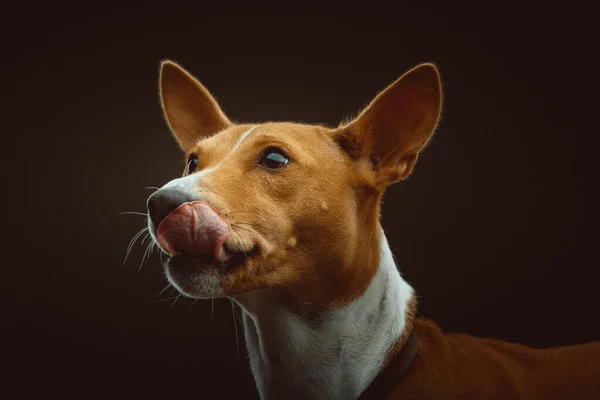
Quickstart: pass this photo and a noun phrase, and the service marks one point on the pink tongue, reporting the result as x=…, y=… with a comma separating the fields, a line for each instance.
x=194, y=228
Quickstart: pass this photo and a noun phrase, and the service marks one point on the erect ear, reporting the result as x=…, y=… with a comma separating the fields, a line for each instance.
x=190, y=110
x=393, y=129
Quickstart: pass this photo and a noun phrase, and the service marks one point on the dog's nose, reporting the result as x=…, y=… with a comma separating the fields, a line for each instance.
x=164, y=201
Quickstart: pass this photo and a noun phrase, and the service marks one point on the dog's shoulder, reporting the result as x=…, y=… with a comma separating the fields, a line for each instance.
x=460, y=366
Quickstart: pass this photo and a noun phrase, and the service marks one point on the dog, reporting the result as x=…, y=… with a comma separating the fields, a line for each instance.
x=284, y=219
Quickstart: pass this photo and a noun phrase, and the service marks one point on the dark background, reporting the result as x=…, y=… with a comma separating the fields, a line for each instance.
x=496, y=229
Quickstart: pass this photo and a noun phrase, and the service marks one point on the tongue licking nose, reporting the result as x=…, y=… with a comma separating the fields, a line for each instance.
x=194, y=228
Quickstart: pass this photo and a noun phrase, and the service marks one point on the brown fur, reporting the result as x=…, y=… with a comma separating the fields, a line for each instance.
x=458, y=366
x=411, y=312
x=315, y=221
x=315, y=224
x=281, y=216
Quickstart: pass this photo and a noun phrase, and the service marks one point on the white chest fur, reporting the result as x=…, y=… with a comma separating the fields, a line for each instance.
x=336, y=358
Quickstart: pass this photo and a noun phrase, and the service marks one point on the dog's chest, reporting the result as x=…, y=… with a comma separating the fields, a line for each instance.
x=335, y=358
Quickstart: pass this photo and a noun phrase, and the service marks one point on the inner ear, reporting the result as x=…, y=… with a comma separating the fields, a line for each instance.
x=397, y=124
x=190, y=110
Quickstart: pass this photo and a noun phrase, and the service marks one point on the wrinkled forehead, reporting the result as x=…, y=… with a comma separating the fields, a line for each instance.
x=295, y=138
x=224, y=140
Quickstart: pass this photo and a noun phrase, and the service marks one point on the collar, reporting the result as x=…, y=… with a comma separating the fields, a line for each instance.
x=387, y=381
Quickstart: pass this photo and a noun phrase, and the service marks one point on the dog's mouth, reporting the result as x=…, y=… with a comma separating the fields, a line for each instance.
x=202, y=255
x=203, y=276
x=206, y=262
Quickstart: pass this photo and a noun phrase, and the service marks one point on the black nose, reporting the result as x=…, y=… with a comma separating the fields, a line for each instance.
x=163, y=201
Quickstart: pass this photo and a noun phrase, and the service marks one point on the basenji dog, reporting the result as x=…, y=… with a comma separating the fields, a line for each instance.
x=284, y=219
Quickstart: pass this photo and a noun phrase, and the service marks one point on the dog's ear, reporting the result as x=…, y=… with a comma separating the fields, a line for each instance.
x=395, y=126
x=190, y=110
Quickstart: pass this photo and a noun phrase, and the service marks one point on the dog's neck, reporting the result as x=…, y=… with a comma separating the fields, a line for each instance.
x=294, y=357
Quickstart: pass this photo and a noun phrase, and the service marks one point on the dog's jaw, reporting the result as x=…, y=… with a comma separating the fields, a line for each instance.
x=205, y=285
x=338, y=356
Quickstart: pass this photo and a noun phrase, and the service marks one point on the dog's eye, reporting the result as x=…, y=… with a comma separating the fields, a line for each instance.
x=192, y=164
x=274, y=158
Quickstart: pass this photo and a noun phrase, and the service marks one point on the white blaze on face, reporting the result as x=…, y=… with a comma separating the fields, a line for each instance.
x=208, y=284
x=188, y=183
x=235, y=146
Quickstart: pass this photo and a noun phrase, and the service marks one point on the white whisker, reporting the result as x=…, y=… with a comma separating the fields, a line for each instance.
x=237, y=340
x=193, y=302
x=135, y=237
x=132, y=213
x=163, y=290
x=154, y=247
x=167, y=299
x=150, y=246
x=145, y=237
x=175, y=301
x=132, y=242
x=144, y=257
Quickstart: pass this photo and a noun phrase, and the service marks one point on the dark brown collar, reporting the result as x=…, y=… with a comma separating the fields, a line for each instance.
x=384, y=384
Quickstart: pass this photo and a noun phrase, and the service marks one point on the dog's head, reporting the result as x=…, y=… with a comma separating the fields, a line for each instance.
x=284, y=206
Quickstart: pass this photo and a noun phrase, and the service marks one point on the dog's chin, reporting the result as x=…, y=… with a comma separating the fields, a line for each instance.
x=202, y=277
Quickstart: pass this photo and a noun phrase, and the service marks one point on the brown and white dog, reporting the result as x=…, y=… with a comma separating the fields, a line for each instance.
x=283, y=218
